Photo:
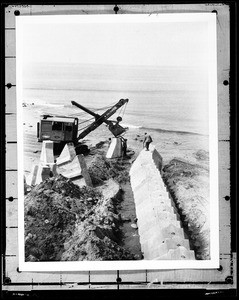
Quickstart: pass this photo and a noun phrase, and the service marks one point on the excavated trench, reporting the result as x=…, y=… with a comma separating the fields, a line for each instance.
x=118, y=169
x=130, y=236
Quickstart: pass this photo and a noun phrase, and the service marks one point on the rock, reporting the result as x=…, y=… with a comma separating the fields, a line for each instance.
x=125, y=219
x=134, y=226
x=31, y=258
x=202, y=155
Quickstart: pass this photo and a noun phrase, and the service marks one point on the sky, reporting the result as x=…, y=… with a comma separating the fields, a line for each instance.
x=125, y=43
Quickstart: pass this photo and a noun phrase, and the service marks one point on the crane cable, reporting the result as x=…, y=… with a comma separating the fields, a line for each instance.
x=122, y=108
x=101, y=108
x=93, y=117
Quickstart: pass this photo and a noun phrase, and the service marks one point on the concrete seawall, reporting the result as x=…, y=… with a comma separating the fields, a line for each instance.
x=160, y=230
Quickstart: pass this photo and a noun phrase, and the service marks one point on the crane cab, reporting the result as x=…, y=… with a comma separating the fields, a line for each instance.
x=57, y=129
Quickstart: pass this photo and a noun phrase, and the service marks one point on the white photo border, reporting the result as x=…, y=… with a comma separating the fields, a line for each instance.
x=210, y=18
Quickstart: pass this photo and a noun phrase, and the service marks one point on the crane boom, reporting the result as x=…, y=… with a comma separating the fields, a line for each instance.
x=85, y=109
x=99, y=119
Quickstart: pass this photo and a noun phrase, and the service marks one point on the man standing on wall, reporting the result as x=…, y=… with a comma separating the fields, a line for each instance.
x=147, y=141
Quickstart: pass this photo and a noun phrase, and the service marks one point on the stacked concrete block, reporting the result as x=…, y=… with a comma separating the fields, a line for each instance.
x=31, y=178
x=46, y=167
x=47, y=155
x=43, y=173
x=73, y=166
x=67, y=155
x=179, y=253
x=47, y=159
x=159, y=226
x=115, y=149
x=76, y=170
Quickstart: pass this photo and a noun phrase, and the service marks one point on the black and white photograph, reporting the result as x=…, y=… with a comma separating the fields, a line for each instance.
x=117, y=142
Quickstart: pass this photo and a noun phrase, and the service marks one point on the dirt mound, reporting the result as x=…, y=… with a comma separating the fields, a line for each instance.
x=65, y=222
x=102, y=169
x=189, y=187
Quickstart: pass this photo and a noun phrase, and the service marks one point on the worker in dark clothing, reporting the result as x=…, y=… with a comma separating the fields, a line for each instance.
x=147, y=141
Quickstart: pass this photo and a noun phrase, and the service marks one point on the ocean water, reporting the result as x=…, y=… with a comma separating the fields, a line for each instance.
x=163, y=99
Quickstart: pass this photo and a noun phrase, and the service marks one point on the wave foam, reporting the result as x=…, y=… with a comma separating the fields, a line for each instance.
x=130, y=126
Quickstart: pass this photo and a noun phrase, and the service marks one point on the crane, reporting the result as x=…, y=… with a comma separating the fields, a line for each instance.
x=62, y=129
x=113, y=126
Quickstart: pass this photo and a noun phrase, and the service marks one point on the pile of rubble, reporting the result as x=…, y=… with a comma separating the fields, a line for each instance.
x=66, y=218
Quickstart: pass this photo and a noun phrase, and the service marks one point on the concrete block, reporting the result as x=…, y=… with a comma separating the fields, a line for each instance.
x=31, y=178
x=141, y=163
x=156, y=232
x=177, y=241
x=152, y=209
x=164, y=215
x=47, y=155
x=157, y=158
x=150, y=186
x=178, y=254
x=80, y=181
x=171, y=230
x=43, y=173
x=158, y=242
x=157, y=250
x=75, y=170
x=146, y=224
x=159, y=229
x=67, y=155
x=137, y=180
x=150, y=181
x=162, y=208
x=136, y=165
x=115, y=149
x=160, y=200
x=53, y=168
x=159, y=193
x=143, y=192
